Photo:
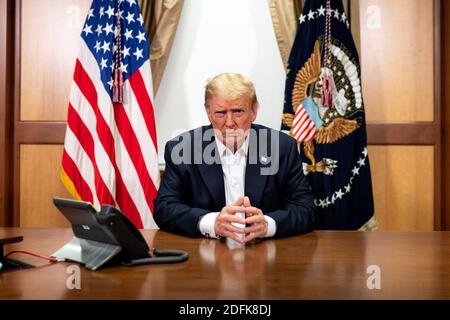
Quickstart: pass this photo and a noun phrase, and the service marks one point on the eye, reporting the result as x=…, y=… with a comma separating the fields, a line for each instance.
x=220, y=114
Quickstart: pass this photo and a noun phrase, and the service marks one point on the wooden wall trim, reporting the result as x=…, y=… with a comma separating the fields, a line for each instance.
x=3, y=112
x=445, y=94
x=16, y=145
x=439, y=214
x=41, y=132
x=412, y=133
x=6, y=62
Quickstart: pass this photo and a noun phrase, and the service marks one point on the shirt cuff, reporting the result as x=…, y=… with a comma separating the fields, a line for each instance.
x=206, y=225
x=271, y=227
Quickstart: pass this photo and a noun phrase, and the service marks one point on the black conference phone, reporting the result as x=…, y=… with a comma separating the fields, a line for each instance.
x=107, y=236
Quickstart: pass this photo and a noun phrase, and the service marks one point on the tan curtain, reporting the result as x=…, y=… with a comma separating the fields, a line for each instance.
x=161, y=21
x=285, y=15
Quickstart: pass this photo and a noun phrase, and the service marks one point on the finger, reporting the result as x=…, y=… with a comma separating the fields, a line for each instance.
x=255, y=228
x=251, y=211
x=250, y=237
x=254, y=210
x=234, y=236
x=260, y=228
x=233, y=209
x=236, y=229
x=246, y=202
x=225, y=228
x=239, y=201
x=229, y=218
x=255, y=219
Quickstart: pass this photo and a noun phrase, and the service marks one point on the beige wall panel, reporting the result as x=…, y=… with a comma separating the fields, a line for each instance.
x=397, y=59
x=39, y=183
x=402, y=178
x=49, y=46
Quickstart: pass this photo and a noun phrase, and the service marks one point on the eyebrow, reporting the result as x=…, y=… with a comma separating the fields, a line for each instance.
x=222, y=109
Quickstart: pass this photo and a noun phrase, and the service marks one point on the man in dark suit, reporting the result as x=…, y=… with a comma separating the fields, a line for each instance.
x=233, y=178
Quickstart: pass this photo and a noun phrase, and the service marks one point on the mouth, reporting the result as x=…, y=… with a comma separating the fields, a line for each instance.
x=233, y=133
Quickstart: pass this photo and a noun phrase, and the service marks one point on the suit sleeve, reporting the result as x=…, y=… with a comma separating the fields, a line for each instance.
x=172, y=213
x=298, y=214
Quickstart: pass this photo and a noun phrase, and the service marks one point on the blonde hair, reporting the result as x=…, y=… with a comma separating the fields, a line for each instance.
x=231, y=86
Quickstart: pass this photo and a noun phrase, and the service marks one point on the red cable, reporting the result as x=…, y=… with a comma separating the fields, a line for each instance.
x=35, y=255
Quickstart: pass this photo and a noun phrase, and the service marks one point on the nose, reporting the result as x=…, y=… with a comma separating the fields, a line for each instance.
x=229, y=120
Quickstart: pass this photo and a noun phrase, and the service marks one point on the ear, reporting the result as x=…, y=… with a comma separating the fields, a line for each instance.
x=254, y=114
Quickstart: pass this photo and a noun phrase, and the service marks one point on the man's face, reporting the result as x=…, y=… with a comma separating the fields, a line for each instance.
x=232, y=119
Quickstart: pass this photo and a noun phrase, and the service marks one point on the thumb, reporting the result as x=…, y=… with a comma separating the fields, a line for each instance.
x=239, y=201
x=247, y=202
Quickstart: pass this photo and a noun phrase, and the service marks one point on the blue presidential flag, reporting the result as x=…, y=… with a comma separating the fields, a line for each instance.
x=324, y=112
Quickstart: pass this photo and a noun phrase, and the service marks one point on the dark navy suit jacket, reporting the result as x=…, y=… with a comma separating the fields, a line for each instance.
x=192, y=186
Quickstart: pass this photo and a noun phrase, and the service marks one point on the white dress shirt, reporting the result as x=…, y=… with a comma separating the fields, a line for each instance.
x=233, y=167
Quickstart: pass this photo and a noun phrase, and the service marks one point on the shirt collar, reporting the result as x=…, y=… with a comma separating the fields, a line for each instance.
x=223, y=150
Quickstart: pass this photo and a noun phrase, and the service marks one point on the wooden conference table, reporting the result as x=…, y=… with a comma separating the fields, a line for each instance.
x=317, y=265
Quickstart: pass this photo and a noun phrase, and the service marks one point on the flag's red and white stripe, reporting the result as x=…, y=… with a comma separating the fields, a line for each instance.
x=110, y=151
x=303, y=127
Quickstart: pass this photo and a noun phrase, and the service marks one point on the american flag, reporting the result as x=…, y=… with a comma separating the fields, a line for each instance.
x=303, y=127
x=110, y=150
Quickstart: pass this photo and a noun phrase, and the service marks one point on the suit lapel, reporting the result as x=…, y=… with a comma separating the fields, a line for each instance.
x=254, y=181
x=211, y=173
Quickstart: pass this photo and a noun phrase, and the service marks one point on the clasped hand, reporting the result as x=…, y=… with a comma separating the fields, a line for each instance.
x=255, y=225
